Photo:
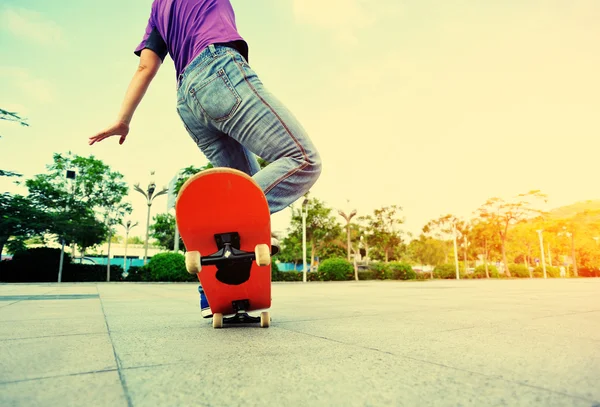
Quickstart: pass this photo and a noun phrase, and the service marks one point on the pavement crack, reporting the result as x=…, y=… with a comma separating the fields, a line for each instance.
x=117, y=359
x=57, y=376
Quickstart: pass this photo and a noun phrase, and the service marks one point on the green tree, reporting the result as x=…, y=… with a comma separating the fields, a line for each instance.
x=383, y=230
x=502, y=214
x=20, y=220
x=486, y=241
x=322, y=228
x=79, y=205
x=163, y=230
x=428, y=251
x=12, y=117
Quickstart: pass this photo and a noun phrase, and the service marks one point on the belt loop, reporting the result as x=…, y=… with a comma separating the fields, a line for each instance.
x=212, y=49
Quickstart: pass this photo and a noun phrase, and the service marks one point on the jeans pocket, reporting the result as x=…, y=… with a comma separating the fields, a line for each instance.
x=217, y=98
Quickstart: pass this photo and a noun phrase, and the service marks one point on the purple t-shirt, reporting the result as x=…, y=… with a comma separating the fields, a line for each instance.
x=183, y=28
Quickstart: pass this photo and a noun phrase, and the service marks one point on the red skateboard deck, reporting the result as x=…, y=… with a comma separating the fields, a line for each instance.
x=223, y=214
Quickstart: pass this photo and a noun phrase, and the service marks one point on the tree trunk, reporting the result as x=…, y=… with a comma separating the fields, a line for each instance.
x=312, y=255
x=575, y=270
x=108, y=259
x=2, y=243
x=504, y=259
x=466, y=259
x=485, y=260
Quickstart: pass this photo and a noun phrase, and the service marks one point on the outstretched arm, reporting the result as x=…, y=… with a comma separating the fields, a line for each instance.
x=149, y=64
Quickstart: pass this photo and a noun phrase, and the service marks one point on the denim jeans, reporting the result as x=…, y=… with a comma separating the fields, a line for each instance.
x=233, y=118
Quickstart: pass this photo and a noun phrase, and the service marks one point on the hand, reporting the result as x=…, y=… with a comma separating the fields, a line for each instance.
x=117, y=129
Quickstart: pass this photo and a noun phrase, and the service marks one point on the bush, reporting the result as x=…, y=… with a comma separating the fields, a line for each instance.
x=551, y=272
x=423, y=276
x=381, y=271
x=518, y=270
x=448, y=271
x=480, y=272
x=35, y=265
x=75, y=272
x=137, y=274
x=402, y=271
x=336, y=269
x=366, y=275
x=168, y=267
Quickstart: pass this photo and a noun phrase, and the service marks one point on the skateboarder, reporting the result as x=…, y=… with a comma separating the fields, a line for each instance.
x=223, y=104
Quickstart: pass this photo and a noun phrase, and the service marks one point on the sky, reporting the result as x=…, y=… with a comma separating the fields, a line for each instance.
x=431, y=105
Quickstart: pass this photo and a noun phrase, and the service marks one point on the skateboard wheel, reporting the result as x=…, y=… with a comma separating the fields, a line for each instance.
x=265, y=319
x=192, y=262
x=217, y=321
x=263, y=255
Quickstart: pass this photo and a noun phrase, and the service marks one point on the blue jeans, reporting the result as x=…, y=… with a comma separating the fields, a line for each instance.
x=232, y=117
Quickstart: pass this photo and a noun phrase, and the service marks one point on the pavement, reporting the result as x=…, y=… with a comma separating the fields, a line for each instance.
x=372, y=343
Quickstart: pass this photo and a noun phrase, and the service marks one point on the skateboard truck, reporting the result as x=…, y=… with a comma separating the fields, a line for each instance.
x=229, y=251
x=241, y=316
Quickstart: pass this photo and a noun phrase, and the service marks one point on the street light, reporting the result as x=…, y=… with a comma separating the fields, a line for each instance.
x=454, y=232
x=348, y=218
x=304, y=215
x=542, y=251
x=128, y=226
x=70, y=175
x=149, y=195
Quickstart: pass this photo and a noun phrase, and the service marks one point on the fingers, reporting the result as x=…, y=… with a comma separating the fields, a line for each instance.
x=104, y=135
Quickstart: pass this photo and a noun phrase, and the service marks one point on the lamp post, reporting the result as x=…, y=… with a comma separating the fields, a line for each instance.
x=70, y=175
x=454, y=232
x=348, y=218
x=128, y=226
x=539, y=232
x=149, y=195
x=571, y=235
x=304, y=215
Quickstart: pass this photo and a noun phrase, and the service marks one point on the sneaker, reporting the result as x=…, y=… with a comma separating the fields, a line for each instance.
x=275, y=247
x=204, y=307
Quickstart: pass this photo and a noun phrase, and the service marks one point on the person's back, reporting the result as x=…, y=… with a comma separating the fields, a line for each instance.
x=183, y=28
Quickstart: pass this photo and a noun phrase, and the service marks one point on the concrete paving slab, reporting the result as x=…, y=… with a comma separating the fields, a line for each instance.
x=446, y=343
x=91, y=389
x=27, y=359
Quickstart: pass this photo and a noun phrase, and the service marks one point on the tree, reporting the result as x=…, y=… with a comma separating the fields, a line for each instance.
x=486, y=241
x=12, y=117
x=428, y=251
x=163, y=230
x=502, y=214
x=383, y=229
x=446, y=225
x=74, y=202
x=20, y=219
x=322, y=228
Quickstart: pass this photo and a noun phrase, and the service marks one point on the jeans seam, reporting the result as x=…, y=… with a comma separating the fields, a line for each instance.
x=304, y=155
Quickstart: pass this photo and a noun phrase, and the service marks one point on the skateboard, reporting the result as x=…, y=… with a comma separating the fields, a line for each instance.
x=224, y=220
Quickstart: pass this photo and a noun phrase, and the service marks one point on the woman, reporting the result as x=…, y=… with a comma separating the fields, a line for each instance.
x=224, y=106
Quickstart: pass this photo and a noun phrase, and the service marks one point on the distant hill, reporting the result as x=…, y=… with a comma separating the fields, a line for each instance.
x=570, y=211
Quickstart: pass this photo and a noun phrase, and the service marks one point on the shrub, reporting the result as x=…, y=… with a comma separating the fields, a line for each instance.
x=381, y=271
x=551, y=272
x=518, y=270
x=336, y=269
x=168, y=267
x=448, y=271
x=423, y=276
x=480, y=272
x=137, y=274
x=35, y=265
x=366, y=275
x=402, y=271
x=75, y=272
